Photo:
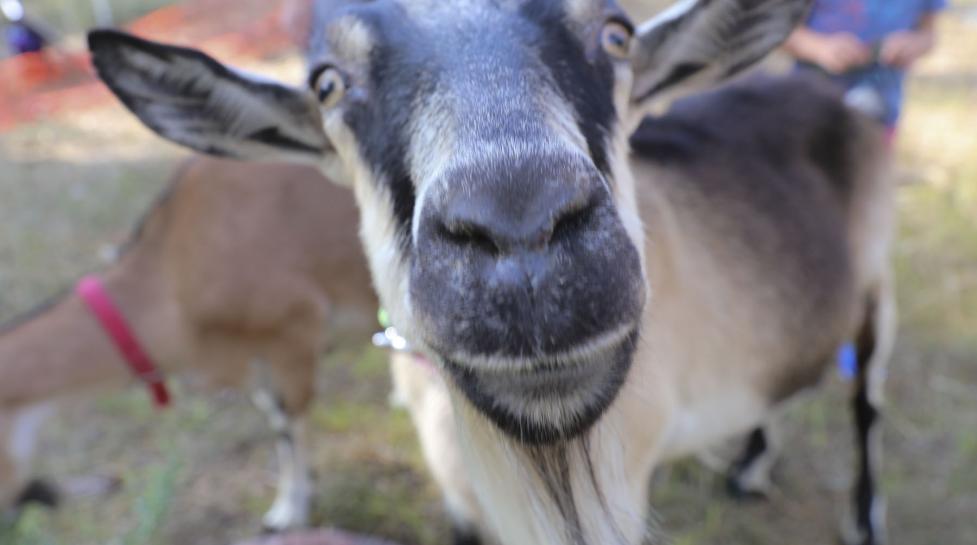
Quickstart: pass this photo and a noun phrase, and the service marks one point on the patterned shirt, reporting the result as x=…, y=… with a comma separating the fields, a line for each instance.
x=872, y=21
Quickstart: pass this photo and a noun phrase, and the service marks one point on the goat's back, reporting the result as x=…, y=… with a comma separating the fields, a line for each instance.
x=248, y=248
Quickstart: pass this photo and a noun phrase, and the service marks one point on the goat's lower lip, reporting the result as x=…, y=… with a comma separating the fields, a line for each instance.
x=547, y=381
x=545, y=403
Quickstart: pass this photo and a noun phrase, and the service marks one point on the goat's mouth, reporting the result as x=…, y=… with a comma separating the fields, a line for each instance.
x=551, y=398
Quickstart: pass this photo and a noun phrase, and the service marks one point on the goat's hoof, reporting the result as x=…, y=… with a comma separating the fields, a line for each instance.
x=39, y=492
x=852, y=534
x=739, y=490
x=859, y=538
x=465, y=535
x=284, y=517
x=271, y=527
x=872, y=533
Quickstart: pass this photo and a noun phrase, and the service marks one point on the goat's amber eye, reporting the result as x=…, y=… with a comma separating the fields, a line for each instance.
x=329, y=87
x=616, y=38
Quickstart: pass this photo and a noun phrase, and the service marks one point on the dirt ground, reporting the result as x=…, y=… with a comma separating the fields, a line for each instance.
x=204, y=472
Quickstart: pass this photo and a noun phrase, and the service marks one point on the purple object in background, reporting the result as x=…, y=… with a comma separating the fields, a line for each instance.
x=21, y=38
x=848, y=361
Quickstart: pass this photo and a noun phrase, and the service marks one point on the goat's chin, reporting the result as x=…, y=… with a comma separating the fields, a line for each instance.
x=547, y=402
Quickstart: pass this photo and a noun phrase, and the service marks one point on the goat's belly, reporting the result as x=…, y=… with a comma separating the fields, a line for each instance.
x=714, y=418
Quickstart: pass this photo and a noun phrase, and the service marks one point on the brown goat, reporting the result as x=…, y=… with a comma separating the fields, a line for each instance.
x=242, y=274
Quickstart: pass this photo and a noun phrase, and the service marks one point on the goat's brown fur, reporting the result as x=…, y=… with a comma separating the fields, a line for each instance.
x=236, y=263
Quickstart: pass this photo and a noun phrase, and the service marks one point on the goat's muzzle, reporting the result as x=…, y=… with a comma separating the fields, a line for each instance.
x=529, y=289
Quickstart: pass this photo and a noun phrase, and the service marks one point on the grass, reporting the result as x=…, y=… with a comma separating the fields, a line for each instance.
x=150, y=505
x=388, y=499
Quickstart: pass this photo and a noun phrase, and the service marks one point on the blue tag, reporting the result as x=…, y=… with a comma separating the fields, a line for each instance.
x=848, y=361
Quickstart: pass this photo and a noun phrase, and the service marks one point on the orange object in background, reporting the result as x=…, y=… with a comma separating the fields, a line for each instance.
x=34, y=85
x=30, y=77
x=31, y=70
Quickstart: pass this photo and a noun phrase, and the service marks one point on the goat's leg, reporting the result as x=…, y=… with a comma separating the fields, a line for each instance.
x=749, y=475
x=19, y=430
x=291, y=506
x=292, y=502
x=462, y=534
x=874, y=346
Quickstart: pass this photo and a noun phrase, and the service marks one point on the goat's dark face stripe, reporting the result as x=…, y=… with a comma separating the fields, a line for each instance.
x=381, y=122
x=587, y=82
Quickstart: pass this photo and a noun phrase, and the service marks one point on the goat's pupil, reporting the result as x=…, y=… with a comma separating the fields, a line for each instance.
x=326, y=90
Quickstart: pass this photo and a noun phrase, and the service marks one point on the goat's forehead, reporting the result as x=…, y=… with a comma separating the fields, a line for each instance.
x=438, y=77
x=350, y=29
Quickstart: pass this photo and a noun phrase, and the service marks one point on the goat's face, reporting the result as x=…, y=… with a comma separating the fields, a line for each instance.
x=485, y=141
x=485, y=136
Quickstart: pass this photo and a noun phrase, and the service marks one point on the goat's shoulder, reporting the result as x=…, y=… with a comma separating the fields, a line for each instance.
x=788, y=124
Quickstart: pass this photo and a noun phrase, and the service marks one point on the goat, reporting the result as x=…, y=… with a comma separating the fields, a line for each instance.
x=240, y=274
x=486, y=144
x=697, y=396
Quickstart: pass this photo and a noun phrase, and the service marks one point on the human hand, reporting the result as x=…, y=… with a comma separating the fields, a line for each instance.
x=902, y=49
x=839, y=53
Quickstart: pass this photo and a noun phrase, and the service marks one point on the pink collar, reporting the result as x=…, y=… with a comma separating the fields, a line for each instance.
x=93, y=293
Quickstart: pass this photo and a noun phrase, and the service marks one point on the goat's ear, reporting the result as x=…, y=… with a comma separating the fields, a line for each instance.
x=195, y=101
x=697, y=43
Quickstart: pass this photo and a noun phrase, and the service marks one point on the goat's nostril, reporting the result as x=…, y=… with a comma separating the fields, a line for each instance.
x=495, y=220
x=571, y=221
x=469, y=234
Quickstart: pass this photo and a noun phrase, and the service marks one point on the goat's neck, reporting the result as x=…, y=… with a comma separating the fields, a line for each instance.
x=63, y=350
x=579, y=492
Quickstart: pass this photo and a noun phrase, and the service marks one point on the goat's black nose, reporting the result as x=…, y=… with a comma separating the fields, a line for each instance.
x=522, y=258
x=523, y=217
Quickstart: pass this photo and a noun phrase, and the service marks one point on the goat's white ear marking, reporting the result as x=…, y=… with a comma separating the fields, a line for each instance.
x=193, y=100
x=697, y=43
